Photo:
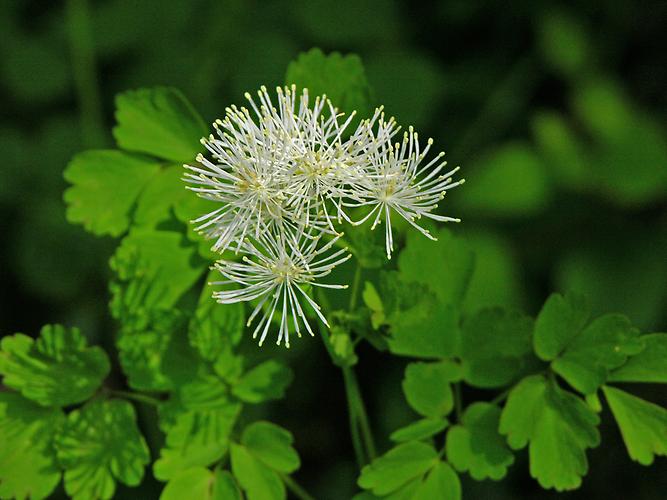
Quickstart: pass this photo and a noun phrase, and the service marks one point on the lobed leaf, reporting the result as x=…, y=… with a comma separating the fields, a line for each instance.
x=266, y=381
x=419, y=430
x=650, y=365
x=560, y=320
x=202, y=484
x=427, y=387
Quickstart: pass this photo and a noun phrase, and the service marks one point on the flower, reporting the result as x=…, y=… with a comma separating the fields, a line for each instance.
x=276, y=272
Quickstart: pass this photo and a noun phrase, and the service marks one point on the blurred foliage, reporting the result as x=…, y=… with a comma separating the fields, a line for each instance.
x=557, y=114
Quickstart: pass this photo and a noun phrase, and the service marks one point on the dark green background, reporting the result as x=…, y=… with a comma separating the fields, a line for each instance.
x=556, y=114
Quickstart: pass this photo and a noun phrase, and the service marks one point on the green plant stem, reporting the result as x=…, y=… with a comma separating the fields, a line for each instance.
x=82, y=49
x=458, y=404
x=298, y=490
x=351, y=408
x=359, y=423
x=135, y=396
x=500, y=397
x=354, y=293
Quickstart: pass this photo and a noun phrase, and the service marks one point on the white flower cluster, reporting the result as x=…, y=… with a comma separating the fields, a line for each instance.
x=286, y=174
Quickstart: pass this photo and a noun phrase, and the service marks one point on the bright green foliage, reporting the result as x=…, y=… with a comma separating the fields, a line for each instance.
x=374, y=304
x=265, y=452
x=158, y=121
x=583, y=356
x=419, y=325
x=99, y=444
x=496, y=347
x=650, y=365
x=165, y=191
x=28, y=467
x=508, y=182
x=559, y=321
x=215, y=328
x=202, y=484
x=449, y=262
x=105, y=187
x=643, y=425
x=558, y=427
x=475, y=445
x=197, y=422
x=604, y=345
x=263, y=382
x=419, y=430
x=58, y=369
x=341, y=78
x=403, y=467
x=427, y=387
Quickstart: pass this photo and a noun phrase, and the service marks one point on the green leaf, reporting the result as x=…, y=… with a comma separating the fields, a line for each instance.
x=496, y=347
x=559, y=427
x=28, y=467
x=475, y=445
x=272, y=445
x=397, y=467
x=58, y=369
x=161, y=194
x=441, y=482
x=420, y=325
x=419, y=430
x=564, y=43
x=650, y=365
x=99, y=444
x=197, y=421
x=374, y=304
x=449, y=262
x=105, y=186
x=560, y=320
x=642, y=424
x=427, y=387
x=604, y=345
x=158, y=121
x=263, y=382
x=341, y=78
x=216, y=328
x=202, y=484
x=510, y=181
x=257, y=480
x=166, y=264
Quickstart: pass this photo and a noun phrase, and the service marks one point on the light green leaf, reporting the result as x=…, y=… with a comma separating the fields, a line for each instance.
x=559, y=427
x=510, y=181
x=162, y=193
x=215, y=328
x=642, y=424
x=419, y=430
x=397, y=467
x=263, y=382
x=560, y=320
x=341, y=78
x=197, y=422
x=475, y=445
x=99, y=444
x=28, y=467
x=58, y=369
x=449, y=262
x=202, y=484
x=374, y=304
x=496, y=347
x=272, y=445
x=257, y=480
x=158, y=121
x=441, y=482
x=604, y=345
x=105, y=186
x=427, y=387
x=650, y=365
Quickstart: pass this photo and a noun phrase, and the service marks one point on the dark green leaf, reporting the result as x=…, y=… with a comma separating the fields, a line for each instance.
x=560, y=320
x=99, y=444
x=58, y=369
x=158, y=121
x=105, y=186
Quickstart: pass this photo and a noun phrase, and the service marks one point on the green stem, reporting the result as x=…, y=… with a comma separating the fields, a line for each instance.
x=296, y=488
x=500, y=397
x=82, y=50
x=352, y=405
x=364, y=424
x=458, y=406
x=135, y=396
x=354, y=294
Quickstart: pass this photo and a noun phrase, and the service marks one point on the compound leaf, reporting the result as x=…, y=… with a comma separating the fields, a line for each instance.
x=99, y=444
x=58, y=369
x=642, y=424
x=263, y=382
x=559, y=427
x=159, y=121
x=476, y=446
x=202, y=484
x=272, y=445
x=427, y=387
x=28, y=467
x=105, y=187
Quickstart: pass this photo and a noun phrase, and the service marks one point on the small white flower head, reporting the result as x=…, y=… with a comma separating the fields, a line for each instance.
x=277, y=272
x=284, y=172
